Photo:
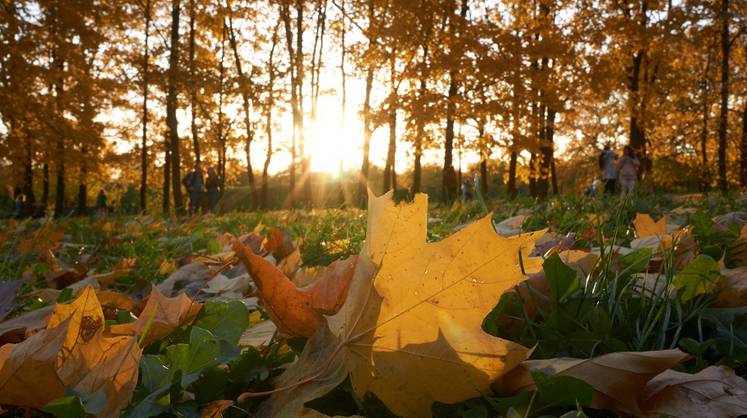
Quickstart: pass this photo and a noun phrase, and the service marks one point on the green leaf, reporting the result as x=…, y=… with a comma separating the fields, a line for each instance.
x=211, y=385
x=563, y=280
x=65, y=296
x=93, y=403
x=226, y=321
x=698, y=277
x=555, y=391
x=66, y=407
x=479, y=411
x=638, y=260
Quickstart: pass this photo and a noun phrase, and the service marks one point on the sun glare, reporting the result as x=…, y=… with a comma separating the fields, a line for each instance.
x=332, y=145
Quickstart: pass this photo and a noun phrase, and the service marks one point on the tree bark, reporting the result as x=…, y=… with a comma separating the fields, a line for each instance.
x=724, y=113
x=743, y=146
x=285, y=16
x=268, y=121
x=144, y=141
x=171, y=104
x=367, y=131
x=511, y=187
x=390, y=176
x=246, y=103
x=59, y=65
x=193, y=82
x=221, y=135
x=451, y=107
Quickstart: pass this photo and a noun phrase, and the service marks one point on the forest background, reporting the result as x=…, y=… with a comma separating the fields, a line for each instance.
x=308, y=102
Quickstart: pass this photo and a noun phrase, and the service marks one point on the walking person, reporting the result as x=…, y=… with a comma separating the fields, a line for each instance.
x=101, y=208
x=609, y=169
x=212, y=185
x=20, y=206
x=193, y=182
x=628, y=166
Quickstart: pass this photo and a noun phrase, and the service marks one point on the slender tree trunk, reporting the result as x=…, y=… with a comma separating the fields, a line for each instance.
x=511, y=189
x=743, y=146
x=285, y=16
x=367, y=131
x=59, y=66
x=144, y=141
x=246, y=102
x=705, y=179
x=268, y=122
x=724, y=113
x=550, y=148
x=45, y=184
x=28, y=175
x=420, y=131
x=221, y=134
x=390, y=181
x=166, y=202
x=193, y=81
x=484, y=153
x=451, y=107
x=171, y=104
x=305, y=158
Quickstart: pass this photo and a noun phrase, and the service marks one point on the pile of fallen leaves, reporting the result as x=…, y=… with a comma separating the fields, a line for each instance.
x=251, y=331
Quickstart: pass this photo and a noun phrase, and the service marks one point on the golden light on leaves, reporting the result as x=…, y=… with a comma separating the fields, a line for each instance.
x=410, y=329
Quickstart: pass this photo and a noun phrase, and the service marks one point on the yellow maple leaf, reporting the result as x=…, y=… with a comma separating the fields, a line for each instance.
x=410, y=329
x=72, y=352
x=645, y=226
x=160, y=317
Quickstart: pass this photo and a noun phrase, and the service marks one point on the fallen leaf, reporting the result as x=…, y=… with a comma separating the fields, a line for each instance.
x=45, y=239
x=713, y=392
x=221, y=287
x=161, y=316
x=215, y=408
x=410, y=329
x=258, y=335
x=19, y=328
x=297, y=311
x=511, y=226
x=189, y=278
x=732, y=288
x=618, y=379
x=8, y=291
x=71, y=353
x=645, y=226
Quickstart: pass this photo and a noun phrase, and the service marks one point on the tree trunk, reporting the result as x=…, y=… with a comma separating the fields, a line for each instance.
x=268, y=121
x=724, y=114
x=193, y=81
x=550, y=148
x=144, y=141
x=451, y=108
x=511, y=187
x=743, y=151
x=420, y=132
x=305, y=158
x=221, y=135
x=285, y=16
x=59, y=65
x=483, y=160
x=705, y=179
x=247, y=112
x=390, y=181
x=367, y=131
x=171, y=104
x=45, y=184
x=166, y=176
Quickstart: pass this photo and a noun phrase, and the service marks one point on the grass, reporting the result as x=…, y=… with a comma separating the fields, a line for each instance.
x=607, y=310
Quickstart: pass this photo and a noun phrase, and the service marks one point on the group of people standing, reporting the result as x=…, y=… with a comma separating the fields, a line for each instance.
x=622, y=171
x=196, y=185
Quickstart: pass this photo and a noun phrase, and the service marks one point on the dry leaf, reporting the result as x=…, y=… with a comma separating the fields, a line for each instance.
x=258, y=335
x=223, y=288
x=17, y=329
x=71, y=353
x=164, y=314
x=8, y=291
x=297, y=311
x=189, y=278
x=618, y=379
x=215, y=409
x=511, y=226
x=410, y=329
x=645, y=226
x=713, y=392
x=732, y=289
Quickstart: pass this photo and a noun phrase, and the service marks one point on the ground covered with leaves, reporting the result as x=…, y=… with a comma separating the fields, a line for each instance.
x=570, y=307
